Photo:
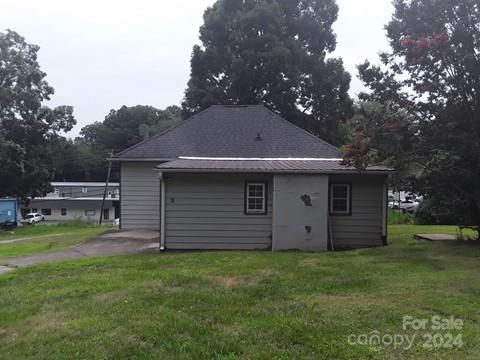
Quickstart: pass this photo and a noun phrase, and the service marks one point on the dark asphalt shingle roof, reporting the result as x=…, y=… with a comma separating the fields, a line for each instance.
x=313, y=166
x=231, y=131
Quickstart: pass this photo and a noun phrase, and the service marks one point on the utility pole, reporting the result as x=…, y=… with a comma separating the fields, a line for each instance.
x=106, y=188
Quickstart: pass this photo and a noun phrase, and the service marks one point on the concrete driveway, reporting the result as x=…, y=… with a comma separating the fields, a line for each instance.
x=107, y=244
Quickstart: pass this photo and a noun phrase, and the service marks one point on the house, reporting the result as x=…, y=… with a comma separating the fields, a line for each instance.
x=242, y=177
x=72, y=200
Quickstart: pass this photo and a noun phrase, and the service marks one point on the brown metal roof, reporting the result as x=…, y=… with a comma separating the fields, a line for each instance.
x=269, y=166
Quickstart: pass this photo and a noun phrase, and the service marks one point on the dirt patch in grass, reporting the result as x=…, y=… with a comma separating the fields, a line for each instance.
x=47, y=321
x=226, y=281
x=268, y=272
x=230, y=282
x=155, y=284
x=137, y=340
x=454, y=288
x=9, y=334
x=232, y=330
x=109, y=297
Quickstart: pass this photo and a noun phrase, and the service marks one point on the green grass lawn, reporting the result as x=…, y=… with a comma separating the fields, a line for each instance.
x=45, y=238
x=228, y=305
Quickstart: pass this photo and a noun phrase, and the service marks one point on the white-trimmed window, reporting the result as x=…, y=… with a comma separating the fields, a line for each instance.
x=256, y=198
x=340, y=199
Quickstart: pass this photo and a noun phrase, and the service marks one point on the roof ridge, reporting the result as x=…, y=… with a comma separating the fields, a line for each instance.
x=301, y=129
x=164, y=131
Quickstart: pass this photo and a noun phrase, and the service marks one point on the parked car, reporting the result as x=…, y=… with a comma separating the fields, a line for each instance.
x=408, y=206
x=393, y=204
x=32, y=218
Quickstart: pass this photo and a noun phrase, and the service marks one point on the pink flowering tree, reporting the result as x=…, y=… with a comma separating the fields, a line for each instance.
x=432, y=73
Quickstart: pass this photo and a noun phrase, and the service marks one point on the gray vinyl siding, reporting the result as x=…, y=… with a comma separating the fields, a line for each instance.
x=363, y=227
x=206, y=211
x=139, y=196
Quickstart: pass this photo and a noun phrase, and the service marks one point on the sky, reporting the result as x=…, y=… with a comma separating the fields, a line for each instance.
x=102, y=54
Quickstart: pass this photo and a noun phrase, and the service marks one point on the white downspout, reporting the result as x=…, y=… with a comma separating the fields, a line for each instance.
x=162, y=211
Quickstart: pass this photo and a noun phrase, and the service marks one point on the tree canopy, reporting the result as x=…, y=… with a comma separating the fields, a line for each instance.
x=76, y=160
x=381, y=134
x=433, y=73
x=26, y=123
x=275, y=53
x=126, y=126
x=83, y=159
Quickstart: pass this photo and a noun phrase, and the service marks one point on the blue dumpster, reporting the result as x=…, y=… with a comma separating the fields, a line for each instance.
x=8, y=213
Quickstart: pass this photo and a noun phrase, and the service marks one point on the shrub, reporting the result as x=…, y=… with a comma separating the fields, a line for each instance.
x=437, y=211
x=397, y=217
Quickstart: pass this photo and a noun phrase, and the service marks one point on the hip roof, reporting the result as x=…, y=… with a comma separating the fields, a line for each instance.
x=232, y=131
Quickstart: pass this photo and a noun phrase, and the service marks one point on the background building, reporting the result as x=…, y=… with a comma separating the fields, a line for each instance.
x=74, y=200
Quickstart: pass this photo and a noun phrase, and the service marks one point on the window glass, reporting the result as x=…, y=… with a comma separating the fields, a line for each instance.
x=339, y=205
x=64, y=211
x=256, y=198
x=47, y=212
x=340, y=195
x=340, y=191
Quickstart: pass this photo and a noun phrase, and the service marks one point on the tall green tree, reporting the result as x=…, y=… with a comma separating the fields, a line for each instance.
x=127, y=126
x=276, y=53
x=26, y=123
x=433, y=73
